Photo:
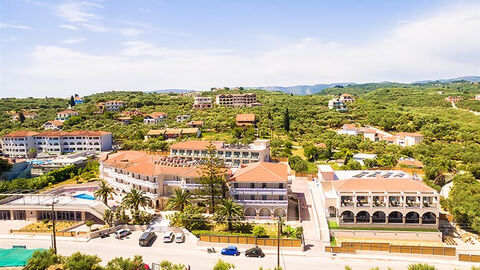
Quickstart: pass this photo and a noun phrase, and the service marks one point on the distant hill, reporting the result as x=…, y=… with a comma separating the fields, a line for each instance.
x=175, y=91
x=302, y=89
x=463, y=78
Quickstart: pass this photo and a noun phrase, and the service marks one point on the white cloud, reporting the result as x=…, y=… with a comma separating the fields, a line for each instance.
x=68, y=26
x=131, y=32
x=438, y=46
x=73, y=40
x=14, y=26
x=78, y=11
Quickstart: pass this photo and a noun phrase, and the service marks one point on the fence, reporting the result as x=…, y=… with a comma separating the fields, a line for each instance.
x=64, y=234
x=309, y=176
x=405, y=169
x=351, y=247
x=160, y=153
x=469, y=258
x=249, y=240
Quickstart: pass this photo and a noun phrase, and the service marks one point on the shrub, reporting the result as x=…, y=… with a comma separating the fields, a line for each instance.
x=421, y=266
x=259, y=231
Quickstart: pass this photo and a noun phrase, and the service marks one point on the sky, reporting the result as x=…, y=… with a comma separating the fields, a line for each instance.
x=57, y=48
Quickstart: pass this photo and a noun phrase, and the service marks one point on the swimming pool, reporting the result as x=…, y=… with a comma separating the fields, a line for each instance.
x=85, y=196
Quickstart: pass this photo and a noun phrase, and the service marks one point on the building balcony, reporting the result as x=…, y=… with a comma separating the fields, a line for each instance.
x=263, y=202
x=131, y=180
x=181, y=184
x=258, y=191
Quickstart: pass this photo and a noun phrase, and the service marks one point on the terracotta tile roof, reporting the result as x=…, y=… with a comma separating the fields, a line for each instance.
x=195, y=123
x=114, y=101
x=245, y=117
x=349, y=126
x=68, y=112
x=194, y=145
x=190, y=131
x=409, y=134
x=370, y=130
x=156, y=132
x=261, y=172
x=55, y=123
x=20, y=133
x=381, y=185
x=157, y=114
x=411, y=163
x=346, y=95
x=173, y=131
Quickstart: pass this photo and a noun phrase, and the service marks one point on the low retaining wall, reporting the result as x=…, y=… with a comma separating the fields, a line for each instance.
x=469, y=258
x=34, y=232
x=352, y=247
x=248, y=240
x=388, y=235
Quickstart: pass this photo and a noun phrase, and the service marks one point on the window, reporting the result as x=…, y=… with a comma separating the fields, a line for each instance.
x=264, y=185
x=252, y=197
x=280, y=185
x=280, y=197
x=264, y=197
x=252, y=185
x=235, y=185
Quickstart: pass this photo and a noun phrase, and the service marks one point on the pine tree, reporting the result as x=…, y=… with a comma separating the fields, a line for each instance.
x=213, y=176
x=286, y=121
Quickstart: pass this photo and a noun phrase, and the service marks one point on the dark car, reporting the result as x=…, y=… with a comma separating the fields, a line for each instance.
x=147, y=239
x=254, y=252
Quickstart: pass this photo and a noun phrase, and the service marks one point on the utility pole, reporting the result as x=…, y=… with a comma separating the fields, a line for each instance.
x=278, y=244
x=54, y=246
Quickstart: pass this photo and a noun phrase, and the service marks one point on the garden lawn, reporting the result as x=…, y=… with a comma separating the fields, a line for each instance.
x=333, y=225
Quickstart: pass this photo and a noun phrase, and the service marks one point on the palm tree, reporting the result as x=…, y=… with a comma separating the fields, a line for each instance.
x=104, y=192
x=136, y=199
x=180, y=199
x=229, y=211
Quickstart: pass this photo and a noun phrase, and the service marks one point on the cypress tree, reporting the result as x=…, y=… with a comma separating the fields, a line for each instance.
x=286, y=121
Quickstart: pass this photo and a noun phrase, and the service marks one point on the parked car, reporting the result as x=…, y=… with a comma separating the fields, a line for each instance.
x=146, y=239
x=179, y=237
x=122, y=233
x=231, y=251
x=254, y=252
x=168, y=237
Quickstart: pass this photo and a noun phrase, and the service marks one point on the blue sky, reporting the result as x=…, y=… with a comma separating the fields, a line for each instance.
x=55, y=48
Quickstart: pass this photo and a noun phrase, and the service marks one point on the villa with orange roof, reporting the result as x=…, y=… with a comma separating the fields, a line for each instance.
x=346, y=98
x=231, y=154
x=377, y=199
x=262, y=188
x=154, y=118
x=53, y=125
x=19, y=143
x=245, y=119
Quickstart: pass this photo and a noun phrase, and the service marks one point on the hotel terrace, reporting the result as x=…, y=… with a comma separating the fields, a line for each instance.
x=377, y=199
x=262, y=188
x=19, y=143
x=232, y=154
x=157, y=176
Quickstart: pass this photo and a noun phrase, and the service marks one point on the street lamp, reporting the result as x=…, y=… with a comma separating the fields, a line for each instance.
x=53, y=216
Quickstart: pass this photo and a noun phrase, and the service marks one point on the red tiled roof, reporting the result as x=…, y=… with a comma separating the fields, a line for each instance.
x=157, y=114
x=261, y=172
x=349, y=126
x=411, y=163
x=20, y=133
x=409, y=134
x=55, y=123
x=245, y=117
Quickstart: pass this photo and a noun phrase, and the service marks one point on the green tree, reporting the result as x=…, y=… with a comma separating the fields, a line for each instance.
x=286, y=121
x=42, y=259
x=72, y=101
x=89, y=223
x=21, y=117
x=421, y=266
x=119, y=263
x=298, y=164
x=221, y=265
x=108, y=217
x=166, y=265
x=229, y=211
x=78, y=261
x=136, y=199
x=191, y=218
x=213, y=176
x=311, y=152
x=180, y=199
x=5, y=165
x=104, y=192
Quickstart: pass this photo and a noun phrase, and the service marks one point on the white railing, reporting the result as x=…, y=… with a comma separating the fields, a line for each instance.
x=132, y=180
x=181, y=184
x=259, y=191
x=263, y=202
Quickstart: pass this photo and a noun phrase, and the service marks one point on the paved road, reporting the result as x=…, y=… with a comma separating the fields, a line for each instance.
x=187, y=253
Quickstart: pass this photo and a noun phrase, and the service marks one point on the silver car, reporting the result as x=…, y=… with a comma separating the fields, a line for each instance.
x=179, y=237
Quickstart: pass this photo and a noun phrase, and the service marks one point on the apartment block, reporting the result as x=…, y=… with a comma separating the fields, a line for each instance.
x=231, y=154
x=337, y=104
x=19, y=143
x=262, y=189
x=202, y=103
x=113, y=105
x=237, y=100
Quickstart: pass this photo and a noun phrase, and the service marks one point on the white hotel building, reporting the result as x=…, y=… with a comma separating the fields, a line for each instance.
x=231, y=154
x=19, y=143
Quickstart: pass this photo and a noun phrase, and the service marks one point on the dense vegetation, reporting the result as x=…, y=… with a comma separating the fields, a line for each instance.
x=299, y=125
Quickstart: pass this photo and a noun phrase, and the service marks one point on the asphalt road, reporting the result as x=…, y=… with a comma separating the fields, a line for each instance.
x=188, y=254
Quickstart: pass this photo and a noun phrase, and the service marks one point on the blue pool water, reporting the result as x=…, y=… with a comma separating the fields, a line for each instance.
x=39, y=162
x=85, y=196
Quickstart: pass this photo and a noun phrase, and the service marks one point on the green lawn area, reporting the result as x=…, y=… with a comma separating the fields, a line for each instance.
x=333, y=225
x=221, y=229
